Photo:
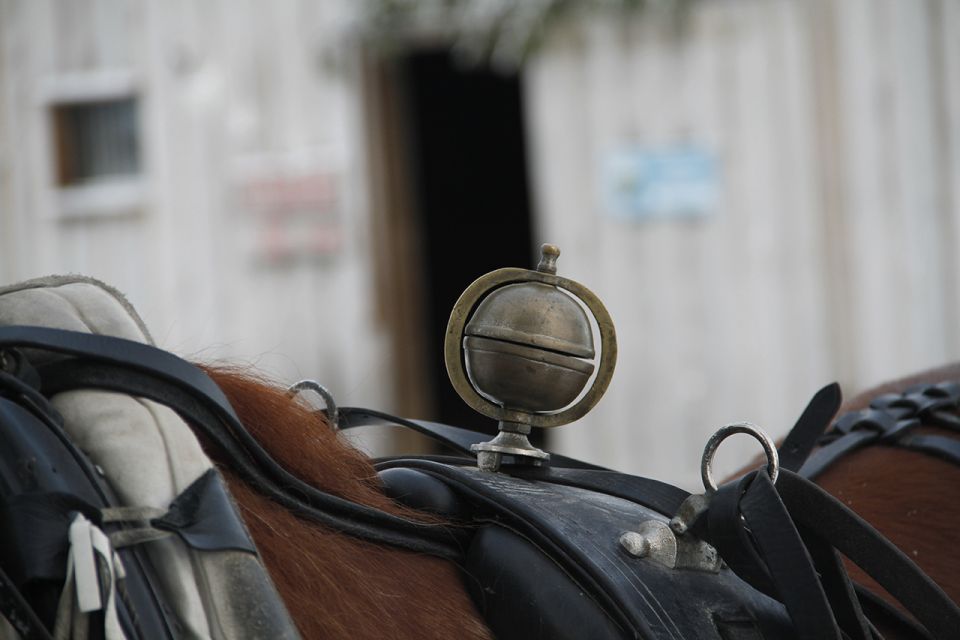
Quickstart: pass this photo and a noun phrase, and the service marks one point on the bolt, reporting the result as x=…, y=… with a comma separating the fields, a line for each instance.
x=635, y=544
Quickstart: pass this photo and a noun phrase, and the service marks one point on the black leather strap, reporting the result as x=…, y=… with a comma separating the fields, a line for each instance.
x=130, y=367
x=884, y=615
x=804, y=571
x=838, y=587
x=786, y=557
x=202, y=516
x=455, y=437
x=19, y=613
x=829, y=454
x=813, y=508
x=653, y=494
x=725, y=531
x=940, y=446
x=890, y=420
x=810, y=427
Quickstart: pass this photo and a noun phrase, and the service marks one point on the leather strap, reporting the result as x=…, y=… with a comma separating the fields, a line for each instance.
x=813, y=508
x=789, y=537
x=809, y=428
x=879, y=610
x=829, y=454
x=652, y=494
x=725, y=531
x=202, y=517
x=838, y=587
x=18, y=611
x=786, y=557
x=940, y=446
x=115, y=364
x=455, y=437
x=891, y=420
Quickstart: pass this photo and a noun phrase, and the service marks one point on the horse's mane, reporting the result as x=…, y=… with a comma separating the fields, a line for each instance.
x=336, y=586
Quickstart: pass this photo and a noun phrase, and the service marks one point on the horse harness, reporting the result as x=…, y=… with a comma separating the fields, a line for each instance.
x=569, y=550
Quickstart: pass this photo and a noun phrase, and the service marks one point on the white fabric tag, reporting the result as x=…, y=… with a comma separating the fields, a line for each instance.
x=87, y=544
x=101, y=544
x=85, y=565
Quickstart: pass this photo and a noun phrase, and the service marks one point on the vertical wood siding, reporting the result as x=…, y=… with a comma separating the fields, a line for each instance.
x=833, y=253
x=228, y=92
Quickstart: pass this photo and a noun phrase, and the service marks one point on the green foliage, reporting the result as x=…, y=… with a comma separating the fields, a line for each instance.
x=502, y=33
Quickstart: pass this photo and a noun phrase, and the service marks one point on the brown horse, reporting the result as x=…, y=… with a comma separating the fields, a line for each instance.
x=339, y=587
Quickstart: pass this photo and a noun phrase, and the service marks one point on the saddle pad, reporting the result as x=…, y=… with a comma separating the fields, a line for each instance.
x=149, y=456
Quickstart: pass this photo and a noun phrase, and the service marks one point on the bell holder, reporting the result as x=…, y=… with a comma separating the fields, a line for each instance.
x=514, y=423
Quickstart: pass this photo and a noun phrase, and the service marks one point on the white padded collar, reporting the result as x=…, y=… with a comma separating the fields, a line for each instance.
x=147, y=452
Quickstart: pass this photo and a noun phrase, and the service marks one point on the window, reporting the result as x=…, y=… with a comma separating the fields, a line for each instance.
x=95, y=140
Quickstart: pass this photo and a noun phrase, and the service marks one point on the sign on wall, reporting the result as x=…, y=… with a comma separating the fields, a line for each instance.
x=643, y=182
x=296, y=215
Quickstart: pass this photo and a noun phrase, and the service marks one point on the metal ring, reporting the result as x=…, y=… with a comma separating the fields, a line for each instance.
x=330, y=406
x=769, y=448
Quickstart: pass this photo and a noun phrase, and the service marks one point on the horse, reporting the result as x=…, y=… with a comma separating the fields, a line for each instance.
x=417, y=596
x=335, y=585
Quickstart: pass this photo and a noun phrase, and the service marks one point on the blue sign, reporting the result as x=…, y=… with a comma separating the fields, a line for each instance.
x=641, y=183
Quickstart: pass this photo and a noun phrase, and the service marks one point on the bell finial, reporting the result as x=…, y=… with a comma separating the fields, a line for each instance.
x=548, y=258
x=519, y=348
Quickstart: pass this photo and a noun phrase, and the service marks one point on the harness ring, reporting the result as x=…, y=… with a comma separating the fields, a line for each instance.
x=330, y=409
x=724, y=432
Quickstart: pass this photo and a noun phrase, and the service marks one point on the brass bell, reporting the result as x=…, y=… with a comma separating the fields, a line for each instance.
x=525, y=347
x=520, y=349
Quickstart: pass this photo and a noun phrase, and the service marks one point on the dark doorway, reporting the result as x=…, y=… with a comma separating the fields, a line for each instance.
x=469, y=170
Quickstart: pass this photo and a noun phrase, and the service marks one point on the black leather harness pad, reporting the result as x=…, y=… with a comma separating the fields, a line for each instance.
x=548, y=564
x=516, y=588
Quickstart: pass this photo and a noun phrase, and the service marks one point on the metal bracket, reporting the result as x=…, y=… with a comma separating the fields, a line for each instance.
x=511, y=441
x=656, y=540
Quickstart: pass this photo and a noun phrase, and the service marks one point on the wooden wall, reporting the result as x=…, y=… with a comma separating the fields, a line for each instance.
x=832, y=253
x=246, y=235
